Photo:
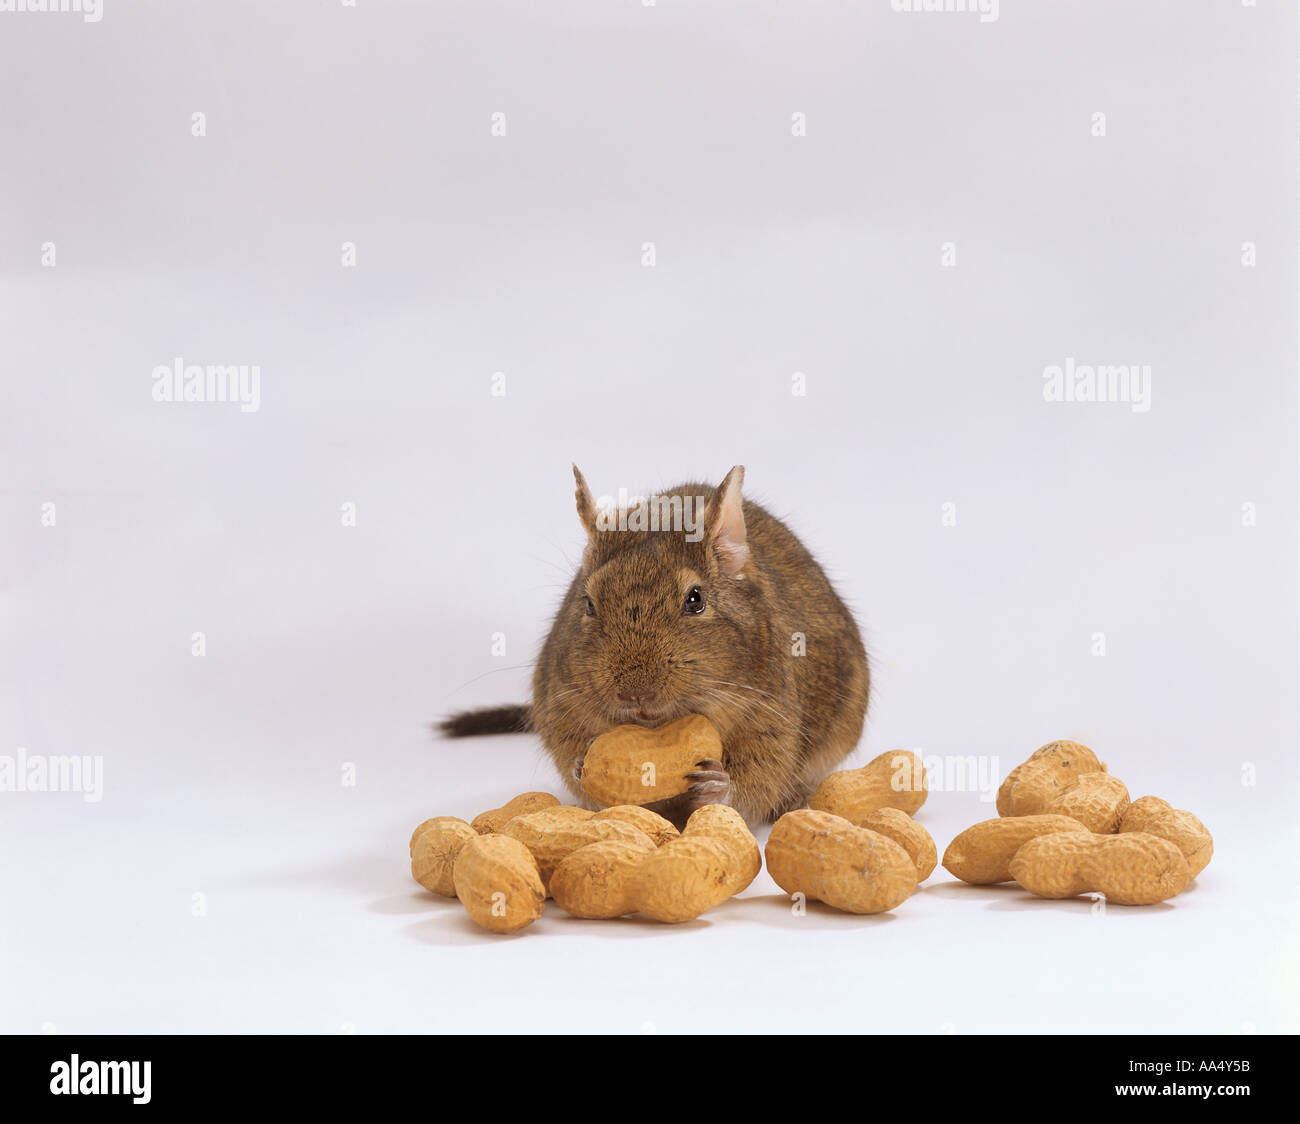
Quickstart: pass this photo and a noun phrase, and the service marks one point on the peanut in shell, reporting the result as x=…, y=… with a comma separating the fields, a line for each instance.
x=828, y=859
x=908, y=834
x=1184, y=830
x=982, y=854
x=1032, y=785
x=895, y=779
x=497, y=881
x=1096, y=800
x=636, y=765
x=685, y=878
x=553, y=835
x=434, y=849
x=525, y=802
x=654, y=825
x=715, y=858
x=595, y=881
x=1133, y=868
x=726, y=823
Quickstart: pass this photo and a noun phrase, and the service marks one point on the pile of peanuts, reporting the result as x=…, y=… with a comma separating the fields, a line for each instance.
x=1065, y=827
x=855, y=848
x=625, y=859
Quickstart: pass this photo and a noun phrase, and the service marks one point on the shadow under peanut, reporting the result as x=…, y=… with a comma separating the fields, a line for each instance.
x=1025, y=902
x=454, y=927
x=964, y=891
x=1011, y=897
x=781, y=911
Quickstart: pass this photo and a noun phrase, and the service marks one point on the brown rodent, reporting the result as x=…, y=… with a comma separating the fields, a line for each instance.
x=655, y=626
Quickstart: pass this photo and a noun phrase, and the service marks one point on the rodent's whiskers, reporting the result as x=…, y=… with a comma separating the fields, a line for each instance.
x=581, y=701
x=841, y=695
x=742, y=686
x=493, y=671
x=745, y=701
x=572, y=567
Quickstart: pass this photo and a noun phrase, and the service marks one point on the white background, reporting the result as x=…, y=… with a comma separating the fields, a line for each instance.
x=521, y=254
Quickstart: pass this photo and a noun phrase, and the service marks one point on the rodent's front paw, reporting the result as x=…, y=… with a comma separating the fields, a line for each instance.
x=710, y=784
x=577, y=769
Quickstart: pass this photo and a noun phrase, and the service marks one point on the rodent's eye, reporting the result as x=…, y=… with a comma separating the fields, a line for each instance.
x=694, y=601
x=591, y=607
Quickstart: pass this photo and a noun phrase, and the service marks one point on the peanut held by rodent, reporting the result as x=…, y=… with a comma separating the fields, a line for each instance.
x=634, y=765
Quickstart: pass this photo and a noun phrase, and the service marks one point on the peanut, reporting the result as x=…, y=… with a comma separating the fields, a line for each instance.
x=725, y=822
x=982, y=854
x=908, y=834
x=595, y=880
x=895, y=779
x=684, y=878
x=636, y=765
x=715, y=858
x=654, y=825
x=486, y=822
x=1130, y=869
x=434, y=848
x=497, y=881
x=1034, y=783
x=1184, y=830
x=828, y=859
x=552, y=836
x=1096, y=800
x=425, y=825
x=568, y=813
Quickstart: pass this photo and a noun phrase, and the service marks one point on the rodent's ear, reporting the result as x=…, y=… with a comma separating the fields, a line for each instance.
x=586, y=514
x=586, y=505
x=724, y=520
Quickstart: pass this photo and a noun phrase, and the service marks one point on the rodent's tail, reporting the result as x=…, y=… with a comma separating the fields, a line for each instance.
x=487, y=720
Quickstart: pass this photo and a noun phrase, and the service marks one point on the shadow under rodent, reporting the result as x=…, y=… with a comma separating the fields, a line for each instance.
x=717, y=610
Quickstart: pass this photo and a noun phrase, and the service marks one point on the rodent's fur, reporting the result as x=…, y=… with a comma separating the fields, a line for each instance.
x=786, y=719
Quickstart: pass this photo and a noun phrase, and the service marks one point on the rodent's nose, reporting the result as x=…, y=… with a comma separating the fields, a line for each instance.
x=638, y=696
